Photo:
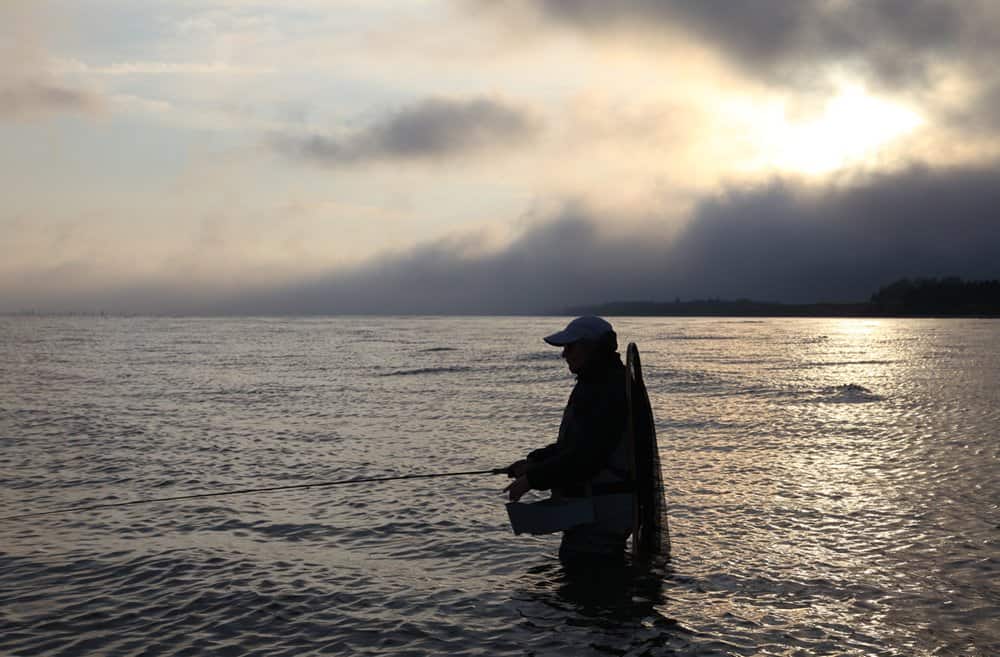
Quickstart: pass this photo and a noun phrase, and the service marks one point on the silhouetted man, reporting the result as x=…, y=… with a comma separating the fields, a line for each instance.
x=589, y=459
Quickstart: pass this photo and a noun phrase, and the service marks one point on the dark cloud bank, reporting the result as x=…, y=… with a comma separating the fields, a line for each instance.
x=433, y=128
x=778, y=242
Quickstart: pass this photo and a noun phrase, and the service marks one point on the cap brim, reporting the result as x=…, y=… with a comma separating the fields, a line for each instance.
x=561, y=339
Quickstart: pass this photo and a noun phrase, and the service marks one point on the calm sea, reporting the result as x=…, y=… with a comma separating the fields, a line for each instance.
x=834, y=489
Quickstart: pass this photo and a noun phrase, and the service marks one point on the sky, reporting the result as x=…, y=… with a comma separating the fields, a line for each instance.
x=470, y=156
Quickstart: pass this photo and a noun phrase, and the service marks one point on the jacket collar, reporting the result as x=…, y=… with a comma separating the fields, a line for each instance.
x=601, y=367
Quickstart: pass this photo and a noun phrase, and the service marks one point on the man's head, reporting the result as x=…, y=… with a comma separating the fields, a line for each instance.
x=582, y=339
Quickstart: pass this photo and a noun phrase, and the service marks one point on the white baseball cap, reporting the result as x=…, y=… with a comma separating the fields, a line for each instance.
x=588, y=327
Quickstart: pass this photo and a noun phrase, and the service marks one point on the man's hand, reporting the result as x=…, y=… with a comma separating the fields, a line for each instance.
x=517, y=469
x=518, y=487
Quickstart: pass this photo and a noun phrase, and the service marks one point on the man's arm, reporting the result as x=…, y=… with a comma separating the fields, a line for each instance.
x=543, y=453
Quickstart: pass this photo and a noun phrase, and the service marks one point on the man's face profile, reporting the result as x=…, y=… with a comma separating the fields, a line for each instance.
x=577, y=354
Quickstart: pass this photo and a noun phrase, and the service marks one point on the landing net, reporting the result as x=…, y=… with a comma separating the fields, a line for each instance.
x=651, y=534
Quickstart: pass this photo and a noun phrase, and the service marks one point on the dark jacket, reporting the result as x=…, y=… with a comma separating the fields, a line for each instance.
x=591, y=432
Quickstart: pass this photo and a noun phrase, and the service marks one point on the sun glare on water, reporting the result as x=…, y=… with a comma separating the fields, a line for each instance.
x=853, y=128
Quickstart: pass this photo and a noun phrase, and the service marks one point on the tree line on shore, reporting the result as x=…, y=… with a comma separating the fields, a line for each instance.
x=921, y=297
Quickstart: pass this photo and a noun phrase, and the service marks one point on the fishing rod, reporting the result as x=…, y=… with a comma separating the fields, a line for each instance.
x=244, y=491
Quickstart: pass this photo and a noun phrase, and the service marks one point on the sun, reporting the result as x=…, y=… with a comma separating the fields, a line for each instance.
x=854, y=127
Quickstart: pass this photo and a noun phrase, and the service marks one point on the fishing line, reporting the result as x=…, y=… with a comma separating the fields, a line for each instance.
x=245, y=491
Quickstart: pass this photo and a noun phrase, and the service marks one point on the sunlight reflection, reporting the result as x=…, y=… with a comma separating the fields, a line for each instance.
x=858, y=327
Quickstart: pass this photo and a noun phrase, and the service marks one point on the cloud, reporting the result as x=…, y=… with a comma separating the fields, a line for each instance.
x=980, y=115
x=919, y=49
x=147, y=67
x=783, y=241
x=434, y=128
x=29, y=98
x=28, y=89
x=894, y=40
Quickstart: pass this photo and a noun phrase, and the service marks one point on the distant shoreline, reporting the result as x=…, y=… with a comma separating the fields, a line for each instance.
x=905, y=298
x=928, y=297
x=759, y=309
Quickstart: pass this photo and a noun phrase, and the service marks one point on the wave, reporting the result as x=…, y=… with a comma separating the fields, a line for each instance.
x=835, y=363
x=539, y=356
x=849, y=393
x=451, y=369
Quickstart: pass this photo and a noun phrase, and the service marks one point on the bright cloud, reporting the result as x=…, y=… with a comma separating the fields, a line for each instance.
x=853, y=128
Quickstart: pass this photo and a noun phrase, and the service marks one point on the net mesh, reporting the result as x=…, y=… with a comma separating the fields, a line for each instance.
x=651, y=535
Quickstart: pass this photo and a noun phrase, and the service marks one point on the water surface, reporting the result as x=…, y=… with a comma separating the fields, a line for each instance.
x=832, y=488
